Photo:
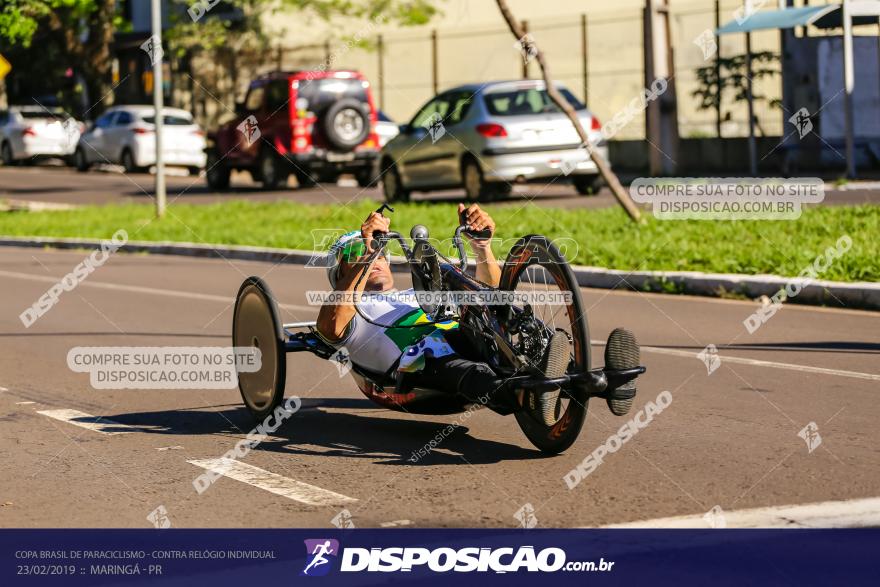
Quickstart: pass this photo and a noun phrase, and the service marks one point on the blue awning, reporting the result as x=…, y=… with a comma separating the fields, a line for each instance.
x=777, y=19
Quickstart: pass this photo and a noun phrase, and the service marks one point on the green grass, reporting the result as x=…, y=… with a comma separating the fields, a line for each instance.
x=605, y=238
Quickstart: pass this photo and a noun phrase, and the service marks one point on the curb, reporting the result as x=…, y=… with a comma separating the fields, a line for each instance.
x=858, y=295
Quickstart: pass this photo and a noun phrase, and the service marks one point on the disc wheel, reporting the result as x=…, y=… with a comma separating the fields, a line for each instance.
x=256, y=324
x=536, y=265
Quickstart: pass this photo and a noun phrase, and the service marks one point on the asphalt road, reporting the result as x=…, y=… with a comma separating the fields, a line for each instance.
x=49, y=183
x=728, y=439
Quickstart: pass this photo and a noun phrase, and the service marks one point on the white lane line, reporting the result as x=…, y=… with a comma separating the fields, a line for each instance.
x=84, y=420
x=759, y=363
x=146, y=290
x=4, y=389
x=273, y=483
x=851, y=513
x=24, y=403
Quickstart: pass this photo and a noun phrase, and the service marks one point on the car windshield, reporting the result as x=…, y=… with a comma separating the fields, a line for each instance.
x=170, y=120
x=526, y=101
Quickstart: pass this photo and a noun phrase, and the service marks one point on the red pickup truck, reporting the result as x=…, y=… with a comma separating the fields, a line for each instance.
x=315, y=125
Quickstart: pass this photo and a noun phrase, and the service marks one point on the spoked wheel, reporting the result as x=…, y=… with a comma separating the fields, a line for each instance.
x=536, y=266
x=256, y=323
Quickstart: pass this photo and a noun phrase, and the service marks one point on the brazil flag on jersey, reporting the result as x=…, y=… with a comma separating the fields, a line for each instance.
x=396, y=323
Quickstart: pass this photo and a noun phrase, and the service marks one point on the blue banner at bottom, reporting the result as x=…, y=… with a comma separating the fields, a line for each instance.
x=436, y=557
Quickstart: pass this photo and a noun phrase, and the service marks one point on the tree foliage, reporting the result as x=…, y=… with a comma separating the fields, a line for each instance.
x=79, y=33
x=734, y=81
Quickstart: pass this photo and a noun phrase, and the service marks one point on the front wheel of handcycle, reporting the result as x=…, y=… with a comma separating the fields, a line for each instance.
x=534, y=264
x=256, y=323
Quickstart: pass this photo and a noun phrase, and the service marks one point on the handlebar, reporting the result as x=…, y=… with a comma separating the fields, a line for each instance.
x=380, y=240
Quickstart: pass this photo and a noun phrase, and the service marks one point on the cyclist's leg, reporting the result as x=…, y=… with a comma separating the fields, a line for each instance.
x=474, y=380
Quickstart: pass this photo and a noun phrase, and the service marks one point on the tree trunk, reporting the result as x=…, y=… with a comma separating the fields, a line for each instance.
x=98, y=56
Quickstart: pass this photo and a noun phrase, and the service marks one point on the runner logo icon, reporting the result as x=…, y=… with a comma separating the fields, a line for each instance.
x=318, y=550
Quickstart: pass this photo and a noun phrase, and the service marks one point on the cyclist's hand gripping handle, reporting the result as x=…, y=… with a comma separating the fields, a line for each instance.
x=479, y=234
x=373, y=228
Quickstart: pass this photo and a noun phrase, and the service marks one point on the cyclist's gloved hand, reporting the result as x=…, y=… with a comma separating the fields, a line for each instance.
x=478, y=221
x=375, y=222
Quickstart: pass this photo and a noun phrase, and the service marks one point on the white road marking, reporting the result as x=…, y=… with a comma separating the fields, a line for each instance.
x=273, y=483
x=851, y=513
x=146, y=290
x=759, y=363
x=4, y=389
x=84, y=420
x=24, y=403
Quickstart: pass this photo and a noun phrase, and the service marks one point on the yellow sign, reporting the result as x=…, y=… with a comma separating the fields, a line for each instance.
x=5, y=67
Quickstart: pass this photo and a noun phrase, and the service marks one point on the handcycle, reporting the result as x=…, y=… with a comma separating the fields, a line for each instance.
x=511, y=337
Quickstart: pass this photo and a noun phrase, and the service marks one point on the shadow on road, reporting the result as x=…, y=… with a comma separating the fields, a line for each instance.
x=316, y=432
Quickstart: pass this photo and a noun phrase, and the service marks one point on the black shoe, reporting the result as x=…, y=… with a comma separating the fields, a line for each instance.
x=621, y=352
x=556, y=361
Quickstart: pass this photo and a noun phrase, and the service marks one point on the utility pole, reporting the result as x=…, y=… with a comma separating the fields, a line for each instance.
x=849, y=83
x=158, y=99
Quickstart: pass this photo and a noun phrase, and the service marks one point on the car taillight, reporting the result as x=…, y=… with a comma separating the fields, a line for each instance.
x=28, y=132
x=371, y=142
x=142, y=131
x=491, y=130
x=302, y=134
x=595, y=125
x=198, y=132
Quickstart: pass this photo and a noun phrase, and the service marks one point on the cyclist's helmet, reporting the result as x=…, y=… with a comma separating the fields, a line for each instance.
x=349, y=246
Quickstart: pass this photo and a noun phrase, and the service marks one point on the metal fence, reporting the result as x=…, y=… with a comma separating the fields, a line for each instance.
x=600, y=58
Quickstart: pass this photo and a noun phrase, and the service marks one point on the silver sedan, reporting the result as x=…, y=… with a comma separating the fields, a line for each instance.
x=486, y=137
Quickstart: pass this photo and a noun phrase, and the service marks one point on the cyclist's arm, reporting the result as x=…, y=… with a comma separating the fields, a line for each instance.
x=488, y=270
x=334, y=318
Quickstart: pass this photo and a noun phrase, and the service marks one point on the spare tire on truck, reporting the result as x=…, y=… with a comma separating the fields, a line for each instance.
x=347, y=124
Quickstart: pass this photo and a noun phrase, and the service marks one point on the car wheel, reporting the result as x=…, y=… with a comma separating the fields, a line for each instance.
x=128, y=162
x=80, y=161
x=193, y=170
x=346, y=124
x=587, y=185
x=272, y=174
x=6, y=154
x=393, y=187
x=216, y=172
x=367, y=179
x=305, y=179
x=475, y=187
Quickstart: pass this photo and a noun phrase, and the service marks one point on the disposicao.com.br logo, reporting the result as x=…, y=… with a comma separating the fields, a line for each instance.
x=441, y=560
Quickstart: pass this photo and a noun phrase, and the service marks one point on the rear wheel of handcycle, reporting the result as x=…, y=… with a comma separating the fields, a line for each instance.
x=256, y=323
x=536, y=265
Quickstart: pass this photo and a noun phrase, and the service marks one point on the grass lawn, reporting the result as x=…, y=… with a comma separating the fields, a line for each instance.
x=605, y=238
